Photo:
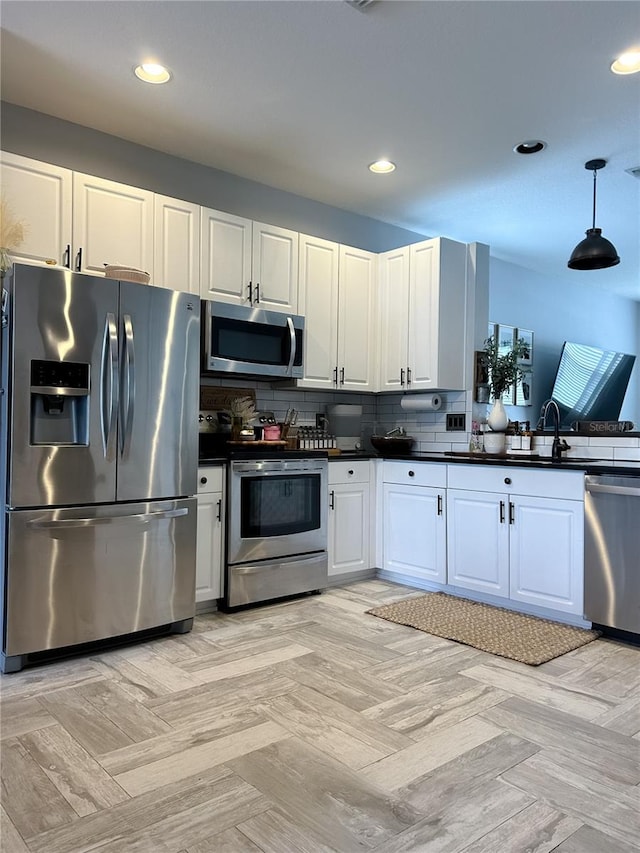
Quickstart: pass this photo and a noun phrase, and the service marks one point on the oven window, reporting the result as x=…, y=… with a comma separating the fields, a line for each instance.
x=281, y=505
x=257, y=343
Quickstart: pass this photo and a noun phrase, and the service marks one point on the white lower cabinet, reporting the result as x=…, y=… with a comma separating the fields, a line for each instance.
x=210, y=543
x=414, y=520
x=349, y=517
x=517, y=534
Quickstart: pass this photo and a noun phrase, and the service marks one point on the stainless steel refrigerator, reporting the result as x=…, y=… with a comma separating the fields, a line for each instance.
x=98, y=460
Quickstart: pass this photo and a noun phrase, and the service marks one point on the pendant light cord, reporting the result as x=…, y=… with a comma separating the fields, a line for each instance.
x=595, y=175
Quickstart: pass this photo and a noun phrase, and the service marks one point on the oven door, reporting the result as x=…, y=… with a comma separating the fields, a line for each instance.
x=277, y=509
x=239, y=339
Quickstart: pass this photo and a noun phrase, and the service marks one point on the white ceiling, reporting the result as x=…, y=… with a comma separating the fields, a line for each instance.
x=303, y=95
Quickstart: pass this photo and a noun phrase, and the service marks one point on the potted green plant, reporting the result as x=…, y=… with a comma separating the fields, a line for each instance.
x=503, y=371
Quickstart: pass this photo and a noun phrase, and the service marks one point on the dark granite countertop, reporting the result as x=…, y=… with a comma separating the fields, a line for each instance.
x=589, y=466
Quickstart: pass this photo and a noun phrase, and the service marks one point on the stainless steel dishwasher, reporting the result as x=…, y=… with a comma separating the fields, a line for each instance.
x=612, y=551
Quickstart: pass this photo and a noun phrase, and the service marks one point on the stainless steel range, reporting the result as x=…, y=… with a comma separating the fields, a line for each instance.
x=277, y=526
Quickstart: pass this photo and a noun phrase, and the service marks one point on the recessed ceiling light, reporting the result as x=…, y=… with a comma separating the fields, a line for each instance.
x=627, y=63
x=150, y=72
x=382, y=167
x=531, y=146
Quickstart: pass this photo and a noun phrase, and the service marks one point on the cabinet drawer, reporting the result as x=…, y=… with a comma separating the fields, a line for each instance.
x=349, y=472
x=518, y=481
x=415, y=473
x=210, y=479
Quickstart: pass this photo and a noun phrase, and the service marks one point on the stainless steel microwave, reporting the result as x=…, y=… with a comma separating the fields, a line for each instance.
x=251, y=341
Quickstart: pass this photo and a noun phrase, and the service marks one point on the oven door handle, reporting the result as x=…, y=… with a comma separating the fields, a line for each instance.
x=255, y=569
x=293, y=345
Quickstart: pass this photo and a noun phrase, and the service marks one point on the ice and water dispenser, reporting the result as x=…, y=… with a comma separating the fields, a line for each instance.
x=59, y=402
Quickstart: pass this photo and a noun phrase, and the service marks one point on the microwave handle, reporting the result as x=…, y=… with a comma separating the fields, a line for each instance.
x=292, y=335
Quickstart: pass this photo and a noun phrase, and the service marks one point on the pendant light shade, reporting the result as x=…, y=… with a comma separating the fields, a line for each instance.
x=595, y=252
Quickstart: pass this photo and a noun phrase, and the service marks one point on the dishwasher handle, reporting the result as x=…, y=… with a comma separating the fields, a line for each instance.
x=601, y=488
x=613, y=484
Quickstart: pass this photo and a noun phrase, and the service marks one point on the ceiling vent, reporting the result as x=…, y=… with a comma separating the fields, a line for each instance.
x=635, y=172
x=361, y=5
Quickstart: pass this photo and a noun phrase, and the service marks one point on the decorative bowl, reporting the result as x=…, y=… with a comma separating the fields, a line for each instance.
x=390, y=444
x=126, y=273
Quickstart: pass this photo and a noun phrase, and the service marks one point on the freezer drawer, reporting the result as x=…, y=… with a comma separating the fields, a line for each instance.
x=89, y=573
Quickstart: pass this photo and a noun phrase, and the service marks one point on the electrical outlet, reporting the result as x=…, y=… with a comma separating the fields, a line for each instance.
x=456, y=423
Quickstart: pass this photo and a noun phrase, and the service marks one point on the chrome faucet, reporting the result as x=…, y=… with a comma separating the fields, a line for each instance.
x=559, y=444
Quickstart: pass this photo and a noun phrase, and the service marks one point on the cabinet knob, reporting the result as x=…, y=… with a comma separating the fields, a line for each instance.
x=507, y=481
x=203, y=480
x=412, y=473
x=351, y=472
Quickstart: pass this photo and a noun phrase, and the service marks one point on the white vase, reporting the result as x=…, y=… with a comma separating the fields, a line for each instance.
x=498, y=418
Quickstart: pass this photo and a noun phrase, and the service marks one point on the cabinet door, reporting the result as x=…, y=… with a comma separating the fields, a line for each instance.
x=478, y=541
x=176, y=262
x=112, y=224
x=423, y=315
x=546, y=550
x=356, y=306
x=348, y=528
x=437, y=314
x=415, y=532
x=209, y=547
x=39, y=196
x=274, y=268
x=393, y=319
x=318, y=304
x=225, y=266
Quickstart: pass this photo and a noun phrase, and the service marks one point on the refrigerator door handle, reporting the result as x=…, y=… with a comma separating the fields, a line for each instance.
x=137, y=518
x=109, y=384
x=129, y=376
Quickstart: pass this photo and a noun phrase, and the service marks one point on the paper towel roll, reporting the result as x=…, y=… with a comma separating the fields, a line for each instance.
x=421, y=402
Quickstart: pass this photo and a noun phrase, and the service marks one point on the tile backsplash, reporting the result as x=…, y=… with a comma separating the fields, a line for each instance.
x=382, y=412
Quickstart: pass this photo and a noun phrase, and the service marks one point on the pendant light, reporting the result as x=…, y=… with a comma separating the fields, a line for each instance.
x=595, y=252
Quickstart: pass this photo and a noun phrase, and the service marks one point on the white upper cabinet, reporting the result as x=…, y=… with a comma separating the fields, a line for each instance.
x=274, y=268
x=337, y=298
x=318, y=303
x=39, y=195
x=356, y=320
x=423, y=317
x=112, y=224
x=248, y=263
x=176, y=255
x=393, y=319
x=226, y=257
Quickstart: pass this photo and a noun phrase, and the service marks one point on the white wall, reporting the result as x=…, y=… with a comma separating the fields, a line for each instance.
x=558, y=310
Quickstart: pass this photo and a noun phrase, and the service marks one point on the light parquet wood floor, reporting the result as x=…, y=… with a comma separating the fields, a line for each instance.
x=308, y=727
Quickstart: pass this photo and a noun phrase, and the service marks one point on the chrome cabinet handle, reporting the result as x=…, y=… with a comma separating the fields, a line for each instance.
x=408, y=376
x=250, y=287
x=66, y=257
x=512, y=510
x=335, y=375
x=332, y=499
x=219, y=515
x=501, y=512
x=342, y=375
x=439, y=504
x=257, y=293
x=79, y=260
x=402, y=376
